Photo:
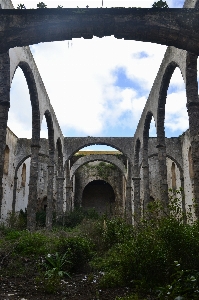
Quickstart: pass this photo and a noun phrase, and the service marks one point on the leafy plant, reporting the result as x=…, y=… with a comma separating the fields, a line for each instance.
x=78, y=251
x=54, y=264
x=143, y=257
x=184, y=284
x=32, y=244
x=41, y=5
x=53, y=273
x=160, y=4
x=21, y=6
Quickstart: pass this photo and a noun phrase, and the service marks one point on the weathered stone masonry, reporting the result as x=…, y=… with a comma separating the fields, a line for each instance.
x=36, y=173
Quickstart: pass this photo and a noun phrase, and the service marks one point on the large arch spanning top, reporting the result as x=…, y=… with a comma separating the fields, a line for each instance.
x=162, y=25
x=98, y=157
x=74, y=144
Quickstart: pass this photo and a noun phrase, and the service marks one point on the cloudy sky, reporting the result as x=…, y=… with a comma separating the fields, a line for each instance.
x=97, y=87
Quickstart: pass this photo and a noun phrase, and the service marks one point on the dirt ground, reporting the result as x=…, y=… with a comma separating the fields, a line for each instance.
x=79, y=287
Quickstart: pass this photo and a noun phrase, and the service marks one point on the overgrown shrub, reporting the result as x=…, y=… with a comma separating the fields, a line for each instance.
x=77, y=251
x=17, y=220
x=116, y=231
x=36, y=243
x=144, y=257
x=75, y=217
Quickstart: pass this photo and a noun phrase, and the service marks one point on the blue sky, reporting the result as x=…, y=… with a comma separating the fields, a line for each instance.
x=106, y=82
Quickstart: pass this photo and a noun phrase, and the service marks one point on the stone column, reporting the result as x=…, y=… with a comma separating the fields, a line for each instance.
x=193, y=112
x=161, y=146
x=145, y=164
x=14, y=194
x=4, y=108
x=32, y=197
x=146, y=183
x=128, y=204
x=136, y=200
x=49, y=209
x=163, y=174
x=183, y=197
x=69, y=188
x=60, y=196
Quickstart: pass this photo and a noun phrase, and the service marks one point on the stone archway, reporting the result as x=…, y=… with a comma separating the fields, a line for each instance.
x=99, y=194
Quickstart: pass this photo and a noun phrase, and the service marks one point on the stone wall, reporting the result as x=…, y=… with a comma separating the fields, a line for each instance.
x=104, y=172
x=86, y=169
x=37, y=170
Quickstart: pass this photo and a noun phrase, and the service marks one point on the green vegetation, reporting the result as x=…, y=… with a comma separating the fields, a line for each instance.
x=102, y=169
x=21, y=6
x=158, y=4
x=41, y=5
x=159, y=256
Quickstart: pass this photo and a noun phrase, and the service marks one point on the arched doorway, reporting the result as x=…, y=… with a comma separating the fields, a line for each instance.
x=99, y=194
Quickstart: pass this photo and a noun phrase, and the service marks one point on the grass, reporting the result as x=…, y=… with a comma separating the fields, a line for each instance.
x=159, y=256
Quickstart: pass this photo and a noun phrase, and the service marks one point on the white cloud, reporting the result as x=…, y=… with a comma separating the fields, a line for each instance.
x=20, y=113
x=81, y=80
x=176, y=117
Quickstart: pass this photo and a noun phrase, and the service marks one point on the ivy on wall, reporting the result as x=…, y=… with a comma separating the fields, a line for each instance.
x=103, y=170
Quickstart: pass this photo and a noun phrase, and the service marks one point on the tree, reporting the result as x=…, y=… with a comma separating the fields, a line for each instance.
x=41, y=5
x=160, y=4
x=21, y=6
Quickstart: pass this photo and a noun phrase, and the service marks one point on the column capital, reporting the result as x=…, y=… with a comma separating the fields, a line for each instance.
x=35, y=146
x=69, y=187
x=136, y=178
x=60, y=178
x=160, y=146
x=192, y=103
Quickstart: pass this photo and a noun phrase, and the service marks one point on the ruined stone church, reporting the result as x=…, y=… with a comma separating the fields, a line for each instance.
x=53, y=174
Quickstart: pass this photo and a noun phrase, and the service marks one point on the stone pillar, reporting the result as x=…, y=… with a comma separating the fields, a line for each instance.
x=60, y=196
x=146, y=184
x=68, y=198
x=32, y=197
x=69, y=188
x=49, y=209
x=193, y=112
x=4, y=108
x=128, y=204
x=163, y=173
x=145, y=164
x=137, y=204
x=183, y=197
x=161, y=146
x=14, y=194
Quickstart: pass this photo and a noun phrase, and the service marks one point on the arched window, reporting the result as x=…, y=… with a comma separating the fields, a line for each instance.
x=173, y=174
x=191, y=173
x=6, y=160
x=23, y=175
